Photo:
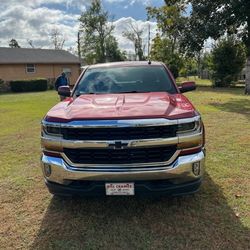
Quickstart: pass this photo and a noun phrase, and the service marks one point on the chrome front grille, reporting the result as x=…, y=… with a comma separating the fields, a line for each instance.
x=120, y=156
x=126, y=133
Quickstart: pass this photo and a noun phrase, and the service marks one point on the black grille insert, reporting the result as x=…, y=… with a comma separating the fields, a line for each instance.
x=120, y=156
x=127, y=133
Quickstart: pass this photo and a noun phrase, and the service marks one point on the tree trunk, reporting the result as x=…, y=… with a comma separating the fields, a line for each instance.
x=247, y=91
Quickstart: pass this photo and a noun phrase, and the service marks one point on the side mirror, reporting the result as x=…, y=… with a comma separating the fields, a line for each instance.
x=187, y=86
x=64, y=91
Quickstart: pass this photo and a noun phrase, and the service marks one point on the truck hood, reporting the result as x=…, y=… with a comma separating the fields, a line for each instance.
x=122, y=106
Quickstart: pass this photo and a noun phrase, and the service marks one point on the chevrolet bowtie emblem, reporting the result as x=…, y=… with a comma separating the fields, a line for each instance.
x=118, y=145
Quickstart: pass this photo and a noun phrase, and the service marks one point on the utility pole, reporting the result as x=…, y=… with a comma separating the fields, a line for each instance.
x=149, y=40
x=79, y=45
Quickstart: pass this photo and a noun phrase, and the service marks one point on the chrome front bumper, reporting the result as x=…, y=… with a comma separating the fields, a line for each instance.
x=180, y=171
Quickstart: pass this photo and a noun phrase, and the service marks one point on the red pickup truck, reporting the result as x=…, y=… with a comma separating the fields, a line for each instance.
x=125, y=129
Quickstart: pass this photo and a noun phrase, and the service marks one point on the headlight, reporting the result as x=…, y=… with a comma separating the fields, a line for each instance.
x=189, y=127
x=52, y=130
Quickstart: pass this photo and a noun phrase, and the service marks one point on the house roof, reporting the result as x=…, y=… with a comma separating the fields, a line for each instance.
x=36, y=56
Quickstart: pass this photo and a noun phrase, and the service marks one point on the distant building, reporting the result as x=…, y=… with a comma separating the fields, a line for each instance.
x=20, y=63
x=131, y=56
x=206, y=74
x=242, y=75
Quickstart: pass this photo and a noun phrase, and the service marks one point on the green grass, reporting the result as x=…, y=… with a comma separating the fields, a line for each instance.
x=218, y=217
x=199, y=82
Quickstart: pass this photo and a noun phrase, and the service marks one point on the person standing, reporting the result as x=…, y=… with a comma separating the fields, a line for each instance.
x=61, y=80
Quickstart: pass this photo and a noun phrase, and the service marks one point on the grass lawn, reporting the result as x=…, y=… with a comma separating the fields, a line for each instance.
x=199, y=82
x=218, y=217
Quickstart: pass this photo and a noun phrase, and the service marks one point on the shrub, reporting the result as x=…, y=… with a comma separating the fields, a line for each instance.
x=29, y=85
x=189, y=67
x=4, y=86
x=228, y=60
x=51, y=83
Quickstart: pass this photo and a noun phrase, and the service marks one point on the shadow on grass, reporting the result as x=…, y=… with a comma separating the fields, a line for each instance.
x=201, y=221
x=232, y=90
x=240, y=106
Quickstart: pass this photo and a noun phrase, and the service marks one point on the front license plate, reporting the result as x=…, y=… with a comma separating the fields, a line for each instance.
x=120, y=188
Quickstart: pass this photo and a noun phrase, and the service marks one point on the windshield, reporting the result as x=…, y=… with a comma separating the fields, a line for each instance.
x=134, y=79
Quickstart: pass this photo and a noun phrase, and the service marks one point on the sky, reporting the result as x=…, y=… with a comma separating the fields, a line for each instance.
x=36, y=19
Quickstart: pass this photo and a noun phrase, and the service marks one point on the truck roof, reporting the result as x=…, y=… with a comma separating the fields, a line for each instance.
x=125, y=64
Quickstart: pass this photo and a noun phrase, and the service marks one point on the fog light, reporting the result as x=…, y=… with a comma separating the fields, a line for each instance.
x=196, y=168
x=47, y=170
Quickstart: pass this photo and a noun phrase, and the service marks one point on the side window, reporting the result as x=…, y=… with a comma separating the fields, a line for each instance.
x=30, y=68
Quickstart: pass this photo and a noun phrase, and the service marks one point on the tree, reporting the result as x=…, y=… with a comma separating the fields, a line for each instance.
x=13, y=43
x=228, y=59
x=171, y=23
x=162, y=51
x=134, y=34
x=113, y=53
x=72, y=50
x=30, y=42
x=57, y=39
x=206, y=61
x=95, y=30
x=216, y=18
x=189, y=67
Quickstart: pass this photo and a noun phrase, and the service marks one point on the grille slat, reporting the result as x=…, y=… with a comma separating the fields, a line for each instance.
x=120, y=156
x=128, y=133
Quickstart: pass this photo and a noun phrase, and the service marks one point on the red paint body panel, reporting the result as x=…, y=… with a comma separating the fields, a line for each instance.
x=122, y=106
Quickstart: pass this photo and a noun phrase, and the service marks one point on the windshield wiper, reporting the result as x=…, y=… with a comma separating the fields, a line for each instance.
x=90, y=93
x=134, y=91
x=125, y=92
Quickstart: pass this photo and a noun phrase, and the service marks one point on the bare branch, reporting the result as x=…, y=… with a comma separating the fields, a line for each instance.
x=57, y=39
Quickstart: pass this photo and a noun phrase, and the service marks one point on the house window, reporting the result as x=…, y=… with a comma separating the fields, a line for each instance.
x=30, y=68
